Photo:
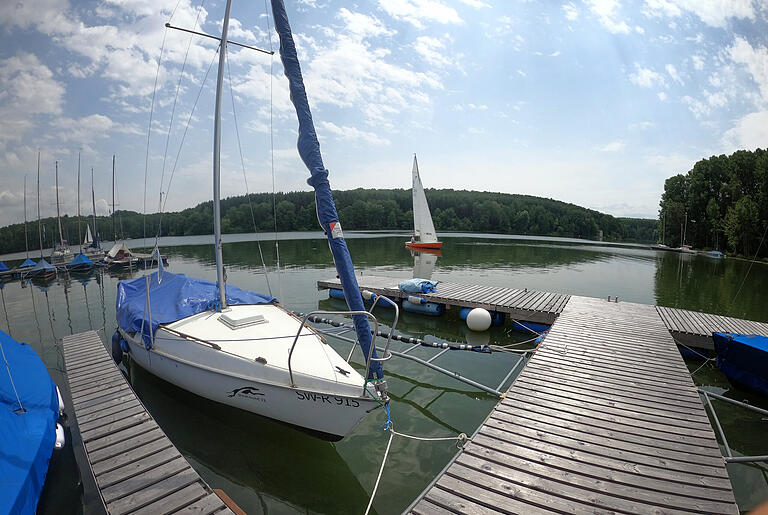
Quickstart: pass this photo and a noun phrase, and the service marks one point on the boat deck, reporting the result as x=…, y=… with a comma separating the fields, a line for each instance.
x=604, y=418
x=120, y=449
x=520, y=304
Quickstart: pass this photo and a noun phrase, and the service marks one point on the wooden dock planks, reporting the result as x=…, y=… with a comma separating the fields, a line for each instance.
x=695, y=328
x=135, y=466
x=604, y=419
x=523, y=304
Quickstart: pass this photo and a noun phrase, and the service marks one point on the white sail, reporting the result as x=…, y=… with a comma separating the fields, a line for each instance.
x=88, y=236
x=423, y=228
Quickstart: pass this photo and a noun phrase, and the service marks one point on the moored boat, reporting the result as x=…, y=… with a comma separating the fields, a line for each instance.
x=424, y=236
x=744, y=359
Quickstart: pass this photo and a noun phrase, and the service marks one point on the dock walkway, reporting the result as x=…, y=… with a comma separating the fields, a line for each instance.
x=522, y=304
x=135, y=466
x=604, y=418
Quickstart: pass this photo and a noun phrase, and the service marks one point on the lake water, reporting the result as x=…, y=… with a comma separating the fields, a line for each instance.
x=267, y=467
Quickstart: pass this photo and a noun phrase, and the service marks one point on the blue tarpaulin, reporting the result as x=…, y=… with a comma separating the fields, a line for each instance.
x=309, y=150
x=3, y=267
x=42, y=266
x=418, y=286
x=27, y=438
x=80, y=261
x=174, y=297
x=27, y=264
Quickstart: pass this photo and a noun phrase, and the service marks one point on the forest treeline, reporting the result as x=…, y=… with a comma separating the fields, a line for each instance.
x=721, y=203
x=360, y=209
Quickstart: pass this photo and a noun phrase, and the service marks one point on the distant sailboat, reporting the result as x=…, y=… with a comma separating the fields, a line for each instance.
x=424, y=236
x=42, y=270
x=28, y=264
x=61, y=254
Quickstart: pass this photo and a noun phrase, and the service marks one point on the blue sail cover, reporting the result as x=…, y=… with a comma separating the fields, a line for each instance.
x=80, y=261
x=3, y=267
x=42, y=266
x=309, y=150
x=27, y=438
x=173, y=297
x=27, y=264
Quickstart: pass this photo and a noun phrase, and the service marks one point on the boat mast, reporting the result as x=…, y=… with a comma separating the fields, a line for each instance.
x=58, y=212
x=39, y=224
x=93, y=203
x=220, y=281
x=26, y=239
x=114, y=233
x=79, y=230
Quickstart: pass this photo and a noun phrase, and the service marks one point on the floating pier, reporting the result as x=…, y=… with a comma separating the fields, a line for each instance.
x=521, y=304
x=604, y=418
x=694, y=329
x=127, y=463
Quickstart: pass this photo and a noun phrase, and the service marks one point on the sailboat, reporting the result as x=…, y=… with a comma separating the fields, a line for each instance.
x=91, y=246
x=28, y=264
x=81, y=262
x=424, y=236
x=43, y=270
x=242, y=348
x=61, y=254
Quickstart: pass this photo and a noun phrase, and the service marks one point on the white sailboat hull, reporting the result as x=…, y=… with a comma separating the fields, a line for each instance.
x=328, y=408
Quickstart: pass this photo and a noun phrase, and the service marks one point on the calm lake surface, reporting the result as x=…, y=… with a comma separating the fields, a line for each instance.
x=267, y=467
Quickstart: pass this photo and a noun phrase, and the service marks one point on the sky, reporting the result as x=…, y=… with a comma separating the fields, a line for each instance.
x=595, y=103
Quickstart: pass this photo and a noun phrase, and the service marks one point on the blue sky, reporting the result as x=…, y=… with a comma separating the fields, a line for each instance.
x=594, y=102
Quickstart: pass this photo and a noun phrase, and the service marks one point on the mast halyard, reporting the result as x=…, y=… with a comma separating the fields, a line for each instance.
x=220, y=280
x=39, y=224
x=93, y=203
x=114, y=233
x=79, y=230
x=58, y=212
x=26, y=239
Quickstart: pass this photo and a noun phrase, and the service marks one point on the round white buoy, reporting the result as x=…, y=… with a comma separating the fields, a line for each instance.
x=479, y=319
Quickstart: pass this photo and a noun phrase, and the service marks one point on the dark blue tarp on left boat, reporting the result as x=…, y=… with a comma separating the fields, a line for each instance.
x=743, y=358
x=27, y=264
x=40, y=267
x=3, y=267
x=174, y=297
x=26, y=439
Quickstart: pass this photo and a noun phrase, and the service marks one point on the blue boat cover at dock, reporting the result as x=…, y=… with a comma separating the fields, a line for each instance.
x=173, y=297
x=418, y=286
x=27, y=438
x=42, y=265
x=27, y=264
x=3, y=267
x=743, y=358
x=80, y=259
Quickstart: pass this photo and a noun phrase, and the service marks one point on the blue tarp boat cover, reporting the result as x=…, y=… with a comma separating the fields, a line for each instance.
x=743, y=358
x=80, y=260
x=27, y=264
x=309, y=150
x=26, y=439
x=42, y=265
x=418, y=286
x=3, y=267
x=173, y=297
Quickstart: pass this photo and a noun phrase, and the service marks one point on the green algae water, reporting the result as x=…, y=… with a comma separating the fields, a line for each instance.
x=267, y=467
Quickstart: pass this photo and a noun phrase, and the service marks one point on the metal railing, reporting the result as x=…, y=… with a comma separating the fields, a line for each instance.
x=729, y=457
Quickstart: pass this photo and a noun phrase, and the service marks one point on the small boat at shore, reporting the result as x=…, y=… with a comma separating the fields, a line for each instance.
x=30, y=406
x=424, y=236
x=744, y=359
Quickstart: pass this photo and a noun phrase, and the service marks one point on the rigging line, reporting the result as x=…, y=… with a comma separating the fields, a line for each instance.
x=272, y=146
x=149, y=129
x=750, y=264
x=173, y=112
x=245, y=178
x=174, y=11
x=184, y=136
x=10, y=376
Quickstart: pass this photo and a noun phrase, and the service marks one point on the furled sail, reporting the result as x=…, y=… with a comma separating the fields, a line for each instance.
x=309, y=150
x=423, y=228
x=88, y=236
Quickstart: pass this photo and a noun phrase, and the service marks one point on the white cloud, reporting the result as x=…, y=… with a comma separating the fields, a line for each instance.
x=571, y=12
x=715, y=13
x=418, y=12
x=755, y=59
x=353, y=134
x=672, y=71
x=606, y=11
x=698, y=62
x=697, y=107
x=362, y=25
x=750, y=132
x=639, y=30
x=646, y=78
x=430, y=50
x=555, y=53
x=667, y=165
x=614, y=146
x=662, y=96
x=643, y=126
x=477, y=4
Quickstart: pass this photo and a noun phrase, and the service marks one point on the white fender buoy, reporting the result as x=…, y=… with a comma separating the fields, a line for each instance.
x=479, y=319
x=60, y=439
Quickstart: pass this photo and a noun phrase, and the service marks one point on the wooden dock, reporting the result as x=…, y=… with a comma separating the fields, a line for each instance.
x=521, y=304
x=695, y=329
x=604, y=418
x=134, y=466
